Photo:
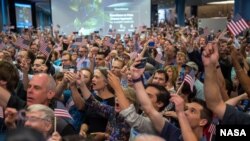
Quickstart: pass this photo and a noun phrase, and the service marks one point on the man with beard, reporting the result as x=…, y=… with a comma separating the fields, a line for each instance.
x=82, y=60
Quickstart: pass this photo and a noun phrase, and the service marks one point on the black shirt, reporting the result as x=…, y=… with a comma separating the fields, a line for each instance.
x=95, y=122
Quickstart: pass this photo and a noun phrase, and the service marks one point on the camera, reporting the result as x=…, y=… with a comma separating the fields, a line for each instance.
x=151, y=44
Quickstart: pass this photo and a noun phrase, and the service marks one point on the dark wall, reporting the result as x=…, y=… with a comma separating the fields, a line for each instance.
x=154, y=13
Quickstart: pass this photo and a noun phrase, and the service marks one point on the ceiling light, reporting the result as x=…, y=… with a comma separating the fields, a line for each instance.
x=223, y=2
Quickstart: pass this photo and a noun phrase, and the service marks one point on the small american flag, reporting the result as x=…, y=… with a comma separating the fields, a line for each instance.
x=22, y=43
x=189, y=78
x=1, y=112
x=44, y=48
x=212, y=128
x=62, y=113
x=237, y=25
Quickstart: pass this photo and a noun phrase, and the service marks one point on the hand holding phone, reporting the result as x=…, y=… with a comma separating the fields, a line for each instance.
x=142, y=64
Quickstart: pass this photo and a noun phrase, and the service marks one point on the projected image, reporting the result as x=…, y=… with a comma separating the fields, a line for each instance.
x=87, y=16
x=23, y=15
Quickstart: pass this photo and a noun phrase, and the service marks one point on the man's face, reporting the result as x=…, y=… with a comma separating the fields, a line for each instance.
x=202, y=42
x=120, y=49
x=94, y=50
x=34, y=48
x=37, y=65
x=180, y=58
x=82, y=52
x=187, y=70
x=193, y=113
x=22, y=55
x=224, y=49
x=66, y=60
x=12, y=51
x=169, y=50
x=36, y=121
x=116, y=68
x=100, y=60
x=37, y=92
x=74, y=56
x=152, y=93
x=159, y=79
x=118, y=36
x=1, y=56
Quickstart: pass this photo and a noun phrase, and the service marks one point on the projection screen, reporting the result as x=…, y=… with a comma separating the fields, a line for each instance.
x=86, y=16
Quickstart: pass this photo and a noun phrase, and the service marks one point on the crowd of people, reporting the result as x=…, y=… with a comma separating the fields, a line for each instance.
x=123, y=87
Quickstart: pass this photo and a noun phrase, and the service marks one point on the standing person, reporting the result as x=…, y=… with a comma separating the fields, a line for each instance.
x=226, y=113
x=41, y=90
x=116, y=127
x=192, y=123
x=68, y=92
x=104, y=93
x=172, y=77
x=37, y=116
x=82, y=60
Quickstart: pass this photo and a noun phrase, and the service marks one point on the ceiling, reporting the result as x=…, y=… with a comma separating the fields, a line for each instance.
x=45, y=4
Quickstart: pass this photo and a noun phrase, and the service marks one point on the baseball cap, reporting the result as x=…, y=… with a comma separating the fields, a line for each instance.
x=192, y=65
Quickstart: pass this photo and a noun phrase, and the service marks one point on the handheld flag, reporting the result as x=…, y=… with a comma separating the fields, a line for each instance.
x=237, y=25
x=190, y=78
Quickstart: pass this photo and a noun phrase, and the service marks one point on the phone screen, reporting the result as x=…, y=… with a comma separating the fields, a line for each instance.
x=142, y=64
x=66, y=68
x=151, y=44
x=78, y=39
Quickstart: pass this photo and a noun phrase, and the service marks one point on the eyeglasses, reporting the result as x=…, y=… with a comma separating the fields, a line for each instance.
x=35, y=119
x=83, y=51
x=65, y=60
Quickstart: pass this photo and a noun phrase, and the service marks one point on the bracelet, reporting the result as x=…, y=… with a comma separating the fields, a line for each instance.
x=137, y=80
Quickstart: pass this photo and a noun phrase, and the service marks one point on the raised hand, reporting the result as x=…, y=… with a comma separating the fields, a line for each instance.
x=55, y=137
x=135, y=72
x=123, y=71
x=178, y=102
x=210, y=55
x=113, y=80
x=80, y=79
x=10, y=117
x=234, y=53
x=71, y=77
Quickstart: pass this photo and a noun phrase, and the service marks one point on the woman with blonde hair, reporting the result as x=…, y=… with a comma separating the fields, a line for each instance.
x=172, y=77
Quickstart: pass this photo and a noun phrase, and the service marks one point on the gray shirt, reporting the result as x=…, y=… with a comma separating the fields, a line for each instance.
x=138, y=122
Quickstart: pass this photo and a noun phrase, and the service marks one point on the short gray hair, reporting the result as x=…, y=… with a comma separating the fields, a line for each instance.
x=48, y=113
x=51, y=85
